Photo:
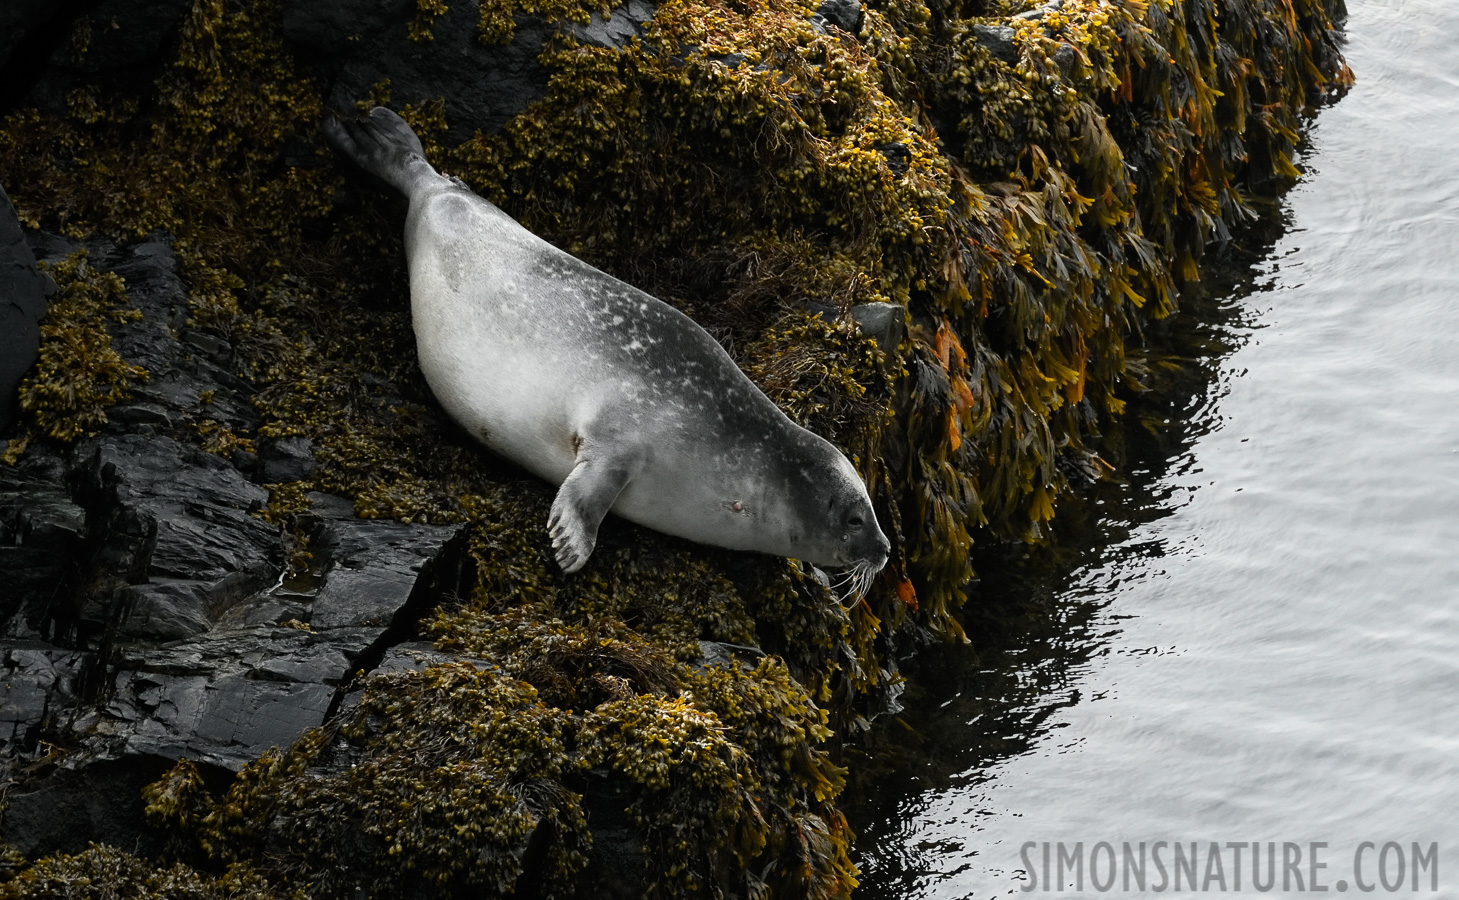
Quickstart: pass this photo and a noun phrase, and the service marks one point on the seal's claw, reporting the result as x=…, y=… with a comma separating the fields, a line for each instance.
x=570, y=559
x=571, y=542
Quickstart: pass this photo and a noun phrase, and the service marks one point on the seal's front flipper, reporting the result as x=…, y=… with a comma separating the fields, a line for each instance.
x=583, y=500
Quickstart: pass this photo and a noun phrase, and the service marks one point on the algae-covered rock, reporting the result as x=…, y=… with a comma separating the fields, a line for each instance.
x=152, y=610
x=931, y=232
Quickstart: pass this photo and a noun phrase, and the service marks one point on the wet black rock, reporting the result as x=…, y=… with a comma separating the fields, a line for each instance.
x=885, y=323
x=999, y=41
x=898, y=157
x=42, y=532
x=623, y=24
x=1038, y=12
x=352, y=46
x=286, y=459
x=22, y=304
x=846, y=15
x=172, y=527
x=67, y=810
x=150, y=613
x=1065, y=56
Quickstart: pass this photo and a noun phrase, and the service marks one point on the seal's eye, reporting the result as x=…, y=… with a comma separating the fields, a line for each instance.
x=855, y=522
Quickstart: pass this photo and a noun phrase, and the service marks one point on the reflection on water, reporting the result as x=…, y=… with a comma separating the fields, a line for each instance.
x=1254, y=637
x=1040, y=619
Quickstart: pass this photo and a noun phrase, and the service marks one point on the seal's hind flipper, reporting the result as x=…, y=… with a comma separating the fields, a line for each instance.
x=381, y=143
x=584, y=499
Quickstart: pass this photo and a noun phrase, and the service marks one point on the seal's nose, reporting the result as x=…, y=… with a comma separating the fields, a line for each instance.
x=884, y=548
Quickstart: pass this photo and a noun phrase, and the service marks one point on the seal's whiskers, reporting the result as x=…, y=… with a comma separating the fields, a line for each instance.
x=849, y=586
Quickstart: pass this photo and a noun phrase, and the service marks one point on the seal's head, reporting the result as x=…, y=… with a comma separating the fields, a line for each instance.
x=840, y=524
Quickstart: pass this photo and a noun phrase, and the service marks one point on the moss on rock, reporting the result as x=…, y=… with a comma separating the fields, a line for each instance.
x=103, y=871
x=78, y=374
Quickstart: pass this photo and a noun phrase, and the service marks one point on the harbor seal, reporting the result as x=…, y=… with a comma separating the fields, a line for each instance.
x=593, y=385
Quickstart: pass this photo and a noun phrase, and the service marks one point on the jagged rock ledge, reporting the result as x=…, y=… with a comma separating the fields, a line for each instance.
x=151, y=614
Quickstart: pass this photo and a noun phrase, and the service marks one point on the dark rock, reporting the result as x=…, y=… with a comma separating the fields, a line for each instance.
x=246, y=462
x=846, y=15
x=285, y=459
x=22, y=304
x=730, y=656
x=417, y=656
x=375, y=565
x=224, y=698
x=352, y=46
x=42, y=533
x=347, y=46
x=69, y=809
x=142, y=413
x=256, y=676
x=885, y=323
x=121, y=43
x=37, y=681
x=1065, y=57
x=223, y=669
x=19, y=20
x=824, y=310
x=147, y=614
x=207, y=342
x=29, y=33
x=178, y=376
x=616, y=867
x=1038, y=12
x=999, y=41
x=624, y=23
x=174, y=523
x=898, y=157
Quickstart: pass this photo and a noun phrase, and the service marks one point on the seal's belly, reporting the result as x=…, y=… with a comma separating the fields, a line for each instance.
x=486, y=367
x=509, y=397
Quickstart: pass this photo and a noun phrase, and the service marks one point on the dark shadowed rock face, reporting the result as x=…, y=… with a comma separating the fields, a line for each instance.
x=74, y=43
x=351, y=46
x=147, y=613
x=347, y=46
x=29, y=31
x=71, y=808
x=18, y=20
x=22, y=303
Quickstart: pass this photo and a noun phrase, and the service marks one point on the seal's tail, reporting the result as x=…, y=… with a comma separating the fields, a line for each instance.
x=380, y=142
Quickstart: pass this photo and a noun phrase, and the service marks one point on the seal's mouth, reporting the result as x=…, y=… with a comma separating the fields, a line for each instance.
x=852, y=584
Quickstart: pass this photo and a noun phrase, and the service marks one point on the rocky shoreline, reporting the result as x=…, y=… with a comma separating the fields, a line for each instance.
x=150, y=614
x=270, y=624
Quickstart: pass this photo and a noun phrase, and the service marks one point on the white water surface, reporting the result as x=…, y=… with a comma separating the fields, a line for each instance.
x=1278, y=656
